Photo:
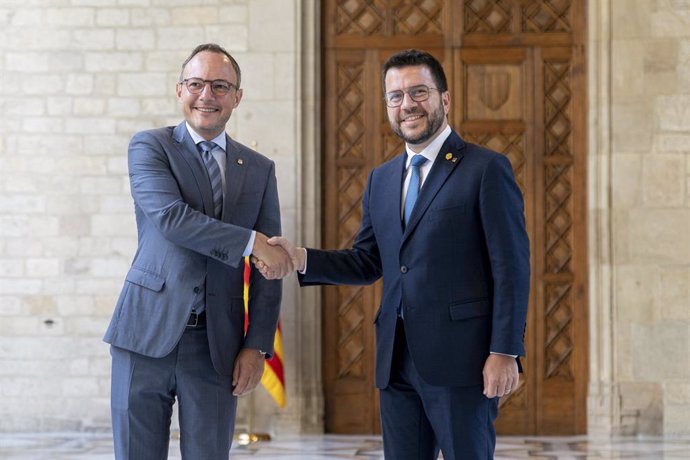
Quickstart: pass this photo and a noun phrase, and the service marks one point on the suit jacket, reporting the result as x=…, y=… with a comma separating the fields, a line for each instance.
x=180, y=247
x=460, y=269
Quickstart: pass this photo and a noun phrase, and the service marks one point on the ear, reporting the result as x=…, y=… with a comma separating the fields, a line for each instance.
x=445, y=100
x=238, y=97
x=178, y=91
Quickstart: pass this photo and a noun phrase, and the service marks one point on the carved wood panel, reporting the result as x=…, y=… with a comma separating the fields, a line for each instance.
x=514, y=69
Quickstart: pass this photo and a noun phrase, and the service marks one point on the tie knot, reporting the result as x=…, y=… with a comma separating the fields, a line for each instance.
x=205, y=146
x=418, y=160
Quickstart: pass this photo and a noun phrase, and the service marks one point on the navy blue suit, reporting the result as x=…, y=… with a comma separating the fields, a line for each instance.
x=459, y=271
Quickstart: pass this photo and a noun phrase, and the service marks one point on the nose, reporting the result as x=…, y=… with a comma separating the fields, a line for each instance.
x=206, y=90
x=408, y=101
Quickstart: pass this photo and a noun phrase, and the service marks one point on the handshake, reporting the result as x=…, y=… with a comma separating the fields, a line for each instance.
x=276, y=257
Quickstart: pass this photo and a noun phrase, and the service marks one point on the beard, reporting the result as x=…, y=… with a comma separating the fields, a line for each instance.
x=434, y=122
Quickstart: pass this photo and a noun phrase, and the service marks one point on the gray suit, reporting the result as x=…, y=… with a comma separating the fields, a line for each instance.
x=182, y=253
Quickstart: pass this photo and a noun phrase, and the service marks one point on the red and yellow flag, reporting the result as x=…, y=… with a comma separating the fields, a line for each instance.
x=273, y=379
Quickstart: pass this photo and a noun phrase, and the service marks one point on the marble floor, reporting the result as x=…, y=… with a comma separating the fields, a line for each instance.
x=99, y=447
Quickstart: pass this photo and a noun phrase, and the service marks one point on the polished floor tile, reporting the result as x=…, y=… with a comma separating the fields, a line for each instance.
x=100, y=447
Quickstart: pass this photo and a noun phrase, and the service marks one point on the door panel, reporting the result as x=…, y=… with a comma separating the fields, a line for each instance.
x=517, y=81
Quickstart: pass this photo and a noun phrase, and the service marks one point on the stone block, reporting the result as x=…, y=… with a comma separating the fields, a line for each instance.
x=44, y=226
x=79, y=84
x=233, y=14
x=100, y=186
x=634, y=293
x=113, y=61
x=135, y=39
x=75, y=225
x=10, y=306
x=26, y=106
x=49, y=125
x=27, y=62
x=630, y=18
x=641, y=402
x=632, y=125
x=626, y=180
x=199, y=15
x=90, y=125
x=113, y=225
x=673, y=112
x=670, y=22
x=112, y=17
x=43, y=84
x=15, y=286
x=175, y=38
x=672, y=143
x=672, y=293
x=141, y=84
x=73, y=305
x=93, y=39
x=42, y=268
x=654, y=344
x=232, y=37
x=11, y=268
x=124, y=106
x=88, y=106
x=659, y=235
x=58, y=106
x=259, y=76
x=271, y=26
x=663, y=179
x=627, y=65
x=150, y=17
x=69, y=17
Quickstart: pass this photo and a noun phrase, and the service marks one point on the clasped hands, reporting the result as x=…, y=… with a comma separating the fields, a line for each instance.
x=276, y=257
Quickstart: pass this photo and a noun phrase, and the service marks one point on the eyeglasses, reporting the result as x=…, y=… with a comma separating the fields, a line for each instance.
x=419, y=93
x=218, y=87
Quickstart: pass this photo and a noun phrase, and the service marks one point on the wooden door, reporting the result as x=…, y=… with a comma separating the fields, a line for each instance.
x=517, y=80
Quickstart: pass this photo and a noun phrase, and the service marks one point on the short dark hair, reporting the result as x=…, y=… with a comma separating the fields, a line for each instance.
x=413, y=57
x=213, y=48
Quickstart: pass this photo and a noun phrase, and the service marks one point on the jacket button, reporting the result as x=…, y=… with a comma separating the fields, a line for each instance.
x=403, y=269
x=197, y=290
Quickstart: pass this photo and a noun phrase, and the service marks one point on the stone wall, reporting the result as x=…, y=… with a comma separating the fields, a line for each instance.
x=77, y=79
x=640, y=202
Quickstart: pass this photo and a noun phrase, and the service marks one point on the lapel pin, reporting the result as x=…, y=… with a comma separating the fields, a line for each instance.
x=240, y=161
x=449, y=156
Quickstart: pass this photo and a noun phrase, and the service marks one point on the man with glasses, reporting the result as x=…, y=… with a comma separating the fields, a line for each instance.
x=443, y=223
x=202, y=202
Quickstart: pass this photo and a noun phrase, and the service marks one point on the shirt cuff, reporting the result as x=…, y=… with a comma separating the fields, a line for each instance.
x=503, y=354
x=302, y=272
x=250, y=245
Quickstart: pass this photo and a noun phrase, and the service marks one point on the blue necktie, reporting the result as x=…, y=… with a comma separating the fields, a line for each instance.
x=205, y=147
x=413, y=187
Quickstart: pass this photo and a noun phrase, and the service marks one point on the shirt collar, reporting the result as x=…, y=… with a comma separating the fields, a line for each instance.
x=430, y=152
x=219, y=140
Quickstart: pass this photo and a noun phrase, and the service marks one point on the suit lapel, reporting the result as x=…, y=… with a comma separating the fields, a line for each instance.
x=447, y=160
x=188, y=151
x=393, y=205
x=235, y=174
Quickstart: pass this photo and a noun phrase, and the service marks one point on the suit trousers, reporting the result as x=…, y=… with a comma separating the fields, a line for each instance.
x=418, y=419
x=144, y=390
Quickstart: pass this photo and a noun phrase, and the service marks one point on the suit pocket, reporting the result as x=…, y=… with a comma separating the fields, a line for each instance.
x=145, y=279
x=467, y=310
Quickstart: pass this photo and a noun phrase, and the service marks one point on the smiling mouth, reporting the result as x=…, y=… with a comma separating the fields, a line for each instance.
x=206, y=109
x=411, y=118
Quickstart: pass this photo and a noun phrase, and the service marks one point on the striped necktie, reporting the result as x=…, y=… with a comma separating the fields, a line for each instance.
x=206, y=147
x=413, y=188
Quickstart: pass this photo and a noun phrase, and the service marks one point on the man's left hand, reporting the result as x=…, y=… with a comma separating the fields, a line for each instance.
x=249, y=367
x=500, y=375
